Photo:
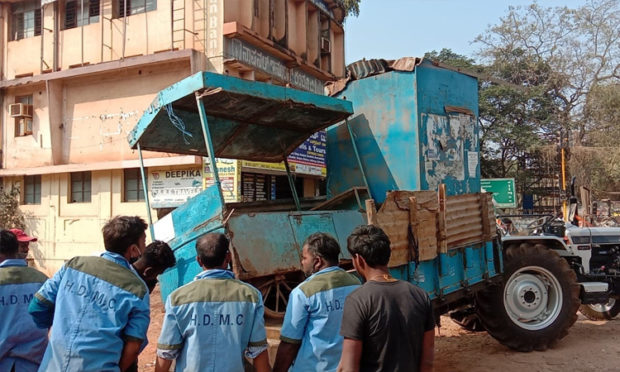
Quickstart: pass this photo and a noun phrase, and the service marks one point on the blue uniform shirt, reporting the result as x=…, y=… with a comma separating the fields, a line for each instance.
x=97, y=304
x=22, y=343
x=211, y=322
x=313, y=317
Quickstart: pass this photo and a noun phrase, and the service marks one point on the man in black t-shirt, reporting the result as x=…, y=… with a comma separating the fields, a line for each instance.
x=387, y=324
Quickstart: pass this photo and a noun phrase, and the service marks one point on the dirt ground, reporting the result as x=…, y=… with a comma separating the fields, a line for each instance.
x=589, y=346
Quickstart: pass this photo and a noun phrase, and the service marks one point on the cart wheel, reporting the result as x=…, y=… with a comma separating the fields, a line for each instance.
x=275, y=290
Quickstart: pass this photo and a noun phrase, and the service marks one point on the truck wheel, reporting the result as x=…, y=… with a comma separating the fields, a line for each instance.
x=537, y=302
x=606, y=311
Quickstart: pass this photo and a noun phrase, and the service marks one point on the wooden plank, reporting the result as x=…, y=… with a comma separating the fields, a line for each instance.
x=424, y=225
x=484, y=213
x=371, y=211
x=442, y=236
x=394, y=220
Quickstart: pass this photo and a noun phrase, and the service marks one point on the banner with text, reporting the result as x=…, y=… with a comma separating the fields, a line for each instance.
x=230, y=177
x=308, y=158
x=171, y=188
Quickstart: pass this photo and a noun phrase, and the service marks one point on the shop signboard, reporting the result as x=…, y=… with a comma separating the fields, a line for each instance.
x=309, y=158
x=230, y=177
x=170, y=188
x=274, y=67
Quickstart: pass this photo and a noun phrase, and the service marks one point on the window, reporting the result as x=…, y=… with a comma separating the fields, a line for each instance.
x=32, y=189
x=23, y=125
x=135, y=7
x=80, y=187
x=74, y=17
x=25, y=19
x=133, y=190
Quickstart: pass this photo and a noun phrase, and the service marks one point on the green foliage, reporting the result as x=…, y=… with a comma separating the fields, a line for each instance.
x=602, y=111
x=351, y=7
x=10, y=215
x=514, y=121
x=562, y=67
x=448, y=57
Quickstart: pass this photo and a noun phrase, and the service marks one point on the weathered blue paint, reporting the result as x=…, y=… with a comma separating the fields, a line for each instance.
x=450, y=272
x=439, y=93
x=199, y=215
x=392, y=132
x=268, y=243
x=385, y=129
x=412, y=130
x=206, y=134
x=247, y=119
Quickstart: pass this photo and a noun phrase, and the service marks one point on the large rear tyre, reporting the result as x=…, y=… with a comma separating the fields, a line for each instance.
x=606, y=311
x=537, y=302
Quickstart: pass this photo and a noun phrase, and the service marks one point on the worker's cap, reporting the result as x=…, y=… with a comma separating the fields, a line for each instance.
x=22, y=236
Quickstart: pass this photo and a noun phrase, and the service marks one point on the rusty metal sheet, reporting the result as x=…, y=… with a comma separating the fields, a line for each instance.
x=369, y=67
x=469, y=219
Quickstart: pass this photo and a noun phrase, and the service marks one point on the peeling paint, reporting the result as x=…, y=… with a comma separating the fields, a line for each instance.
x=448, y=137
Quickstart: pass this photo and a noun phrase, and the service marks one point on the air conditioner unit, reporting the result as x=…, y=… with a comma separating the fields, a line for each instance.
x=20, y=110
x=326, y=46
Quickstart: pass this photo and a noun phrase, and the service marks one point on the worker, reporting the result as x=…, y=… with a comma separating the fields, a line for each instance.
x=387, y=324
x=99, y=306
x=309, y=339
x=24, y=242
x=157, y=257
x=22, y=343
x=212, y=322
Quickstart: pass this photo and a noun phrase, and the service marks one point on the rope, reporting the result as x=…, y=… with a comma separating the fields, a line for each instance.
x=178, y=123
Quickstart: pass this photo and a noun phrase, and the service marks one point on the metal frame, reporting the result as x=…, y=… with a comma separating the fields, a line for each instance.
x=146, y=193
x=209, y=144
x=291, y=183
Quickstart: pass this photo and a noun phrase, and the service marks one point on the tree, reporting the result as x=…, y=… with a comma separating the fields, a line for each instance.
x=351, y=7
x=513, y=120
x=558, y=59
x=10, y=215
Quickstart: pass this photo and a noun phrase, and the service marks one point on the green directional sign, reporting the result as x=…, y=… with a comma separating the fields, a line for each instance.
x=503, y=189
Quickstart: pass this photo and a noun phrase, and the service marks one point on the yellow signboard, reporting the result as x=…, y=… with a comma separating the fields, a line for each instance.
x=230, y=177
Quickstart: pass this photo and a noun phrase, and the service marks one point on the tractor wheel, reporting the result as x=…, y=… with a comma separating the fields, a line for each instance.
x=606, y=311
x=536, y=303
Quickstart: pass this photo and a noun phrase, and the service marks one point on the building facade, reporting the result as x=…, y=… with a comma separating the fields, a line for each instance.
x=76, y=75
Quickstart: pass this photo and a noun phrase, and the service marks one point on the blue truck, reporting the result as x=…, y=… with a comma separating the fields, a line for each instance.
x=402, y=153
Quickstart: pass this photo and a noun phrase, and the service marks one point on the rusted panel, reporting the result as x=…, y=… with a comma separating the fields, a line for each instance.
x=394, y=220
x=442, y=236
x=265, y=243
x=469, y=219
x=484, y=213
x=423, y=217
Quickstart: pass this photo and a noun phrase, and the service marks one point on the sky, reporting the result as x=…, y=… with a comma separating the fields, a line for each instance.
x=398, y=28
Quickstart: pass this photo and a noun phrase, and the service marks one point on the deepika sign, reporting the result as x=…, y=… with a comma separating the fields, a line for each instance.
x=171, y=188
